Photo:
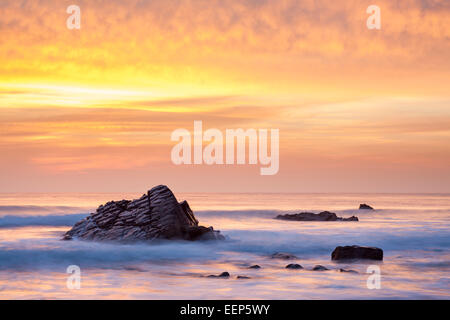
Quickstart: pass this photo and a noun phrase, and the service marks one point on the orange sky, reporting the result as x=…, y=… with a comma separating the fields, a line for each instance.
x=93, y=109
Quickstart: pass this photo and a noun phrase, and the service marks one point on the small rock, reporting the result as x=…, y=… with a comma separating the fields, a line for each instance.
x=67, y=237
x=349, y=271
x=364, y=206
x=243, y=277
x=283, y=255
x=320, y=268
x=294, y=266
x=357, y=252
x=222, y=275
x=255, y=266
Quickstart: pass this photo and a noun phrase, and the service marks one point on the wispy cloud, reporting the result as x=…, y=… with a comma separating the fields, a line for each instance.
x=103, y=100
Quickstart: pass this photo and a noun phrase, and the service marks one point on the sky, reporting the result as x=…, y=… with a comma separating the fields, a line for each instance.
x=92, y=110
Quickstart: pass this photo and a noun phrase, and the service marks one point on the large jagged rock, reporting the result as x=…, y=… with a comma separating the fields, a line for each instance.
x=156, y=215
x=309, y=216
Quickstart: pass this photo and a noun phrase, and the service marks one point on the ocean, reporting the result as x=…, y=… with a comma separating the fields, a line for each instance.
x=412, y=229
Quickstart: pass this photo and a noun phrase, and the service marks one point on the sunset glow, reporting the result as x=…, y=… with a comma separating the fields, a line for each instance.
x=93, y=109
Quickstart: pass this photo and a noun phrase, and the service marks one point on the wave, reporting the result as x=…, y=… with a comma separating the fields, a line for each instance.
x=385, y=213
x=30, y=209
x=10, y=221
x=239, y=213
x=68, y=219
x=322, y=242
x=45, y=253
x=23, y=220
x=441, y=265
x=242, y=245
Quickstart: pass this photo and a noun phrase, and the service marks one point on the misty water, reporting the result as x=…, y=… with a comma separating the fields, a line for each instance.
x=413, y=231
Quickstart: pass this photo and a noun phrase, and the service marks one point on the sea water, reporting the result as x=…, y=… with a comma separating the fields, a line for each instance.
x=412, y=229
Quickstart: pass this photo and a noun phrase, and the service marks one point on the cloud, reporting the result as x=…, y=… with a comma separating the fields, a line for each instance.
x=212, y=42
x=105, y=98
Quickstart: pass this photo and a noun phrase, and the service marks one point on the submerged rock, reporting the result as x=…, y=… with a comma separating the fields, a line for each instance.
x=294, y=266
x=357, y=252
x=348, y=271
x=364, y=206
x=222, y=275
x=156, y=215
x=320, y=268
x=255, y=266
x=283, y=255
x=309, y=216
x=242, y=277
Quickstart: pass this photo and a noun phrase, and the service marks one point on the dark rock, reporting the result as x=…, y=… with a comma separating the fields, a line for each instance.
x=294, y=266
x=283, y=255
x=348, y=271
x=357, y=252
x=309, y=216
x=243, y=277
x=254, y=267
x=364, y=206
x=67, y=237
x=320, y=268
x=222, y=275
x=156, y=215
x=200, y=233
